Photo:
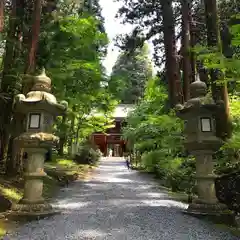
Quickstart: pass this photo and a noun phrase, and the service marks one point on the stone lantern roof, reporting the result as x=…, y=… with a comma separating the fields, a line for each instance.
x=40, y=97
x=200, y=99
x=198, y=93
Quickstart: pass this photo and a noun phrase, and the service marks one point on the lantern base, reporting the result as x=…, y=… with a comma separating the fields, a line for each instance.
x=217, y=212
x=31, y=211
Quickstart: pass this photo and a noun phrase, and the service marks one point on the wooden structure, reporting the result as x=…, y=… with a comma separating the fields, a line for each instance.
x=110, y=142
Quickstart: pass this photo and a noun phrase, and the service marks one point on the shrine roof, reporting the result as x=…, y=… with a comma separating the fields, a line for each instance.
x=121, y=111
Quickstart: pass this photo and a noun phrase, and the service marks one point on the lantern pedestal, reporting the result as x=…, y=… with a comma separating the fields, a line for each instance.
x=33, y=204
x=205, y=177
x=200, y=140
x=34, y=175
x=207, y=202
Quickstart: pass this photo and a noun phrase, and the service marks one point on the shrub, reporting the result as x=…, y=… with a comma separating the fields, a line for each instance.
x=177, y=172
x=88, y=154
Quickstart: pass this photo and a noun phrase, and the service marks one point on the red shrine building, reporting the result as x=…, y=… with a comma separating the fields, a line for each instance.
x=110, y=142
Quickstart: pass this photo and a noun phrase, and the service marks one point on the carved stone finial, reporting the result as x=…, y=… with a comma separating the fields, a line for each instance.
x=198, y=88
x=43, y=72
x=42, y=82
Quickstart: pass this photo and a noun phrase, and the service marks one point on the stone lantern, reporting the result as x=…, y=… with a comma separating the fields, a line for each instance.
x=201, y=142
x=40, y=108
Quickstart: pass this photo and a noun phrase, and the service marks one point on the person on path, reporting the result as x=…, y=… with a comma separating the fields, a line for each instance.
x=128, y=163
x=110, y=152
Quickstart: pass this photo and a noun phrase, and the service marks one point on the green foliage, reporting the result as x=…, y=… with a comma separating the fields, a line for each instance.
x=228, y=156
x=130, y=75
x=235, y=31
x=87, y=154
x=74, y=55
x=157, y=135
x=72, y=46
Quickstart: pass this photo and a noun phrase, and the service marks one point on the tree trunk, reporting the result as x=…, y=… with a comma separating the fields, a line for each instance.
x=70, y=149
x=172, y=71
x=220, y=92
x=192, y=43
x=62, y=139
x=33, y=44
x=13, y=164
x=8, y=82
x=61, y=146
x=77, y=134
x=187, y=71
x=35, y=32
x=14, y=151
x=14, y=161
x=2, y=2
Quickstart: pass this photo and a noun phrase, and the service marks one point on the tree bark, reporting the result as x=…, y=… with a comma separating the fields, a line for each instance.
x=70, y=149
x=33, y=44
x=35, y=32
x=192, y=43
x=13, y=163
x=14, y=150
x=2, y=3
x=220, y=92
x=8, y=81
x=187, y=71
x=62, y=139
x=172, y=71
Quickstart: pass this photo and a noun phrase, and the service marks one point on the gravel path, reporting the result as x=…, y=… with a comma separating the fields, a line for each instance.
x=118, y=204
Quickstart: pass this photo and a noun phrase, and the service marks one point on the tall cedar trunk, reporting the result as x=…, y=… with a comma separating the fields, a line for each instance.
x=8, y=81
x=61, y=146
x=63, y=137
x=12, y=165
x=34, y=37
x=172, y=71
x=2, y=2
x=14, y=151
x=70, y=149
x=33, y=44
x=78, y=131
x=192, y=43
x=220, y=92
x=187, y=71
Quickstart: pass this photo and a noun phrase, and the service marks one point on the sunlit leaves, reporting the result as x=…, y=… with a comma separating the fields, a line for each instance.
x=72, y=48
x=212, y=58
x=235, y=31
x=130, y=74
x=75, y=58
x=149, y=127
x=157, y=135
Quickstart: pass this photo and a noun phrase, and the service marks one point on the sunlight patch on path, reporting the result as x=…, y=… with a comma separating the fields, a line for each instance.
x=90, y=234
x=70, y=205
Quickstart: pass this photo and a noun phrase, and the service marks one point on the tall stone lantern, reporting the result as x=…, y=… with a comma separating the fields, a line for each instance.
x=40, y=108
x=201, y=141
